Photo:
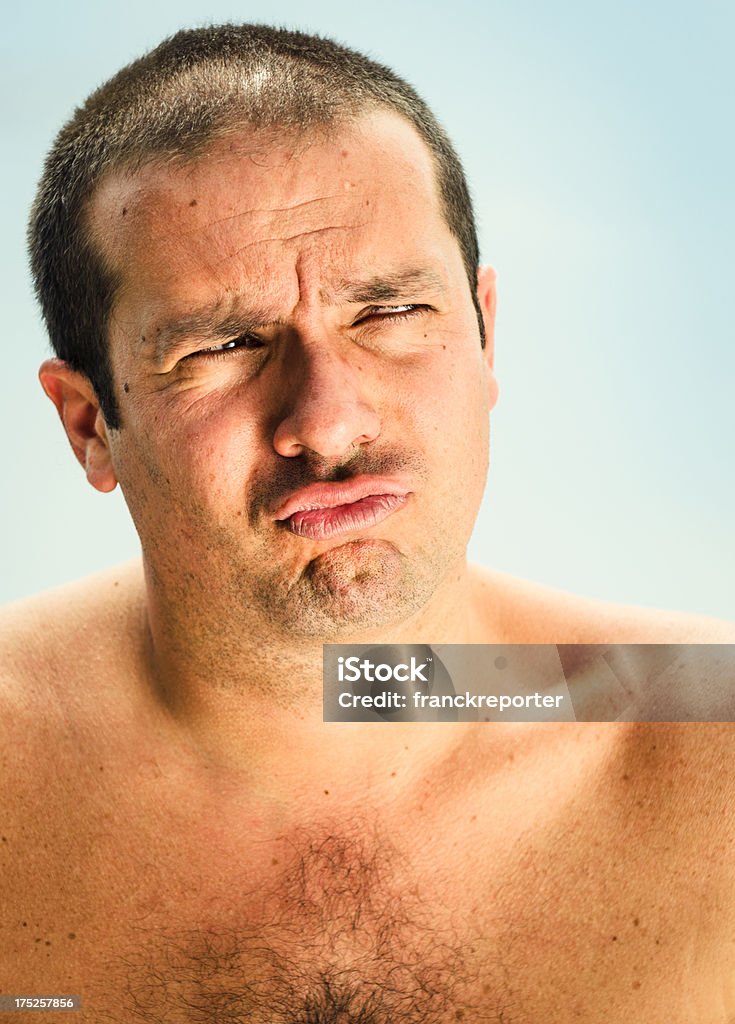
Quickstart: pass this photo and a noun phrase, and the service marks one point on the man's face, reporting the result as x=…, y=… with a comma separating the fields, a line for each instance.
x=293, y=314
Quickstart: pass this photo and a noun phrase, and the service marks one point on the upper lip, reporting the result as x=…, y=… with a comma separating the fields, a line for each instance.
x=330, y=495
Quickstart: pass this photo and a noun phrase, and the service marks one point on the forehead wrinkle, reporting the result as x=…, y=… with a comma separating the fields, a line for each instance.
x=263, y=218
x=271, y=210
x=281, y=239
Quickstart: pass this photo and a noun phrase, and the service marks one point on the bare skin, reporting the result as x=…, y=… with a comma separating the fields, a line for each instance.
x=515, y=873
x=186, y=840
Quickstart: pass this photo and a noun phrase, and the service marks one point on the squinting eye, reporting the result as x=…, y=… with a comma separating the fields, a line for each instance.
x=392, y=309
x=246, y=341
x=390, y=312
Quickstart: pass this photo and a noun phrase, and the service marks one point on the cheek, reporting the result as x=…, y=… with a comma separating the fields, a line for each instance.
x=216, y=460
x=190, y=458
x=447, y=405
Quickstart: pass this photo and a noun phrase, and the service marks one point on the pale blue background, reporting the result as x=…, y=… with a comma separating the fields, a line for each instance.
x=598, y=139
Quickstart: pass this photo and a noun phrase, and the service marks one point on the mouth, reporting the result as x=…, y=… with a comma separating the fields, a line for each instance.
x=324, y=510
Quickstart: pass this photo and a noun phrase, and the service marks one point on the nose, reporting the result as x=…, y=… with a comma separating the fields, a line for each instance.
x=327, y=410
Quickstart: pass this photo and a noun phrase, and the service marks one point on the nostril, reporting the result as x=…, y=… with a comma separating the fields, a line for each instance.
x=328, y=430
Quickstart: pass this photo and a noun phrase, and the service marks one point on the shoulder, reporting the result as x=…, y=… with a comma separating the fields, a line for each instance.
x=620, y=662
x=65, y=682
x=50, y=641
x=523, y=612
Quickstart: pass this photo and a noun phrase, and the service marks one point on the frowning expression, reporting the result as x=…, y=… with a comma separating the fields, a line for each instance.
x=302, y=387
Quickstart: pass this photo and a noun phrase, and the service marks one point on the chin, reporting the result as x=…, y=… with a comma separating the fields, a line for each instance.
x=358, y=586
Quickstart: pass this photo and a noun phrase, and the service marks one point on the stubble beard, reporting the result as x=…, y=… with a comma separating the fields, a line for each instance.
x=345, y=593
x=351, y=589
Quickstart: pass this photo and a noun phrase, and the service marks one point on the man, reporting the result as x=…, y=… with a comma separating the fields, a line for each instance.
x=256, y=258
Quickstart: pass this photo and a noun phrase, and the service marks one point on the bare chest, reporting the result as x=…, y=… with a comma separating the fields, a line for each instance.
x=499, y=904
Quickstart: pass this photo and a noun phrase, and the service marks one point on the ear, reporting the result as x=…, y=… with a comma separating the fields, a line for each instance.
x=79, y=410
x=486, y=296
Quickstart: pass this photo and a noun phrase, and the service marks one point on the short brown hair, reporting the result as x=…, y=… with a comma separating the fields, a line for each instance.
x=172, y=102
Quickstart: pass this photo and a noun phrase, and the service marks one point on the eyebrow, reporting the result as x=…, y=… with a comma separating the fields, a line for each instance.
x=387, y=287
x=212, y=321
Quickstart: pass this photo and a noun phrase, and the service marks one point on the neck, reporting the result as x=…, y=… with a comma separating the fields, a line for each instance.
x=245, y=692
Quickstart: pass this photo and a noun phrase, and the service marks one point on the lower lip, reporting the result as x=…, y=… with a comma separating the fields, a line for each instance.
x=323, y=523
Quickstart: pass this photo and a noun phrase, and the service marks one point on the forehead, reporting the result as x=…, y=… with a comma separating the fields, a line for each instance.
x=275, y=214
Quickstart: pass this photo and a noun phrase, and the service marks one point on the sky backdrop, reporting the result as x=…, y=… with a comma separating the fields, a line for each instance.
x=598, y=142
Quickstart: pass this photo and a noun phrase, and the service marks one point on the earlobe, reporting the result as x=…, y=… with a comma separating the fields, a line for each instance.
x=486, y=295
x=80, y=413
